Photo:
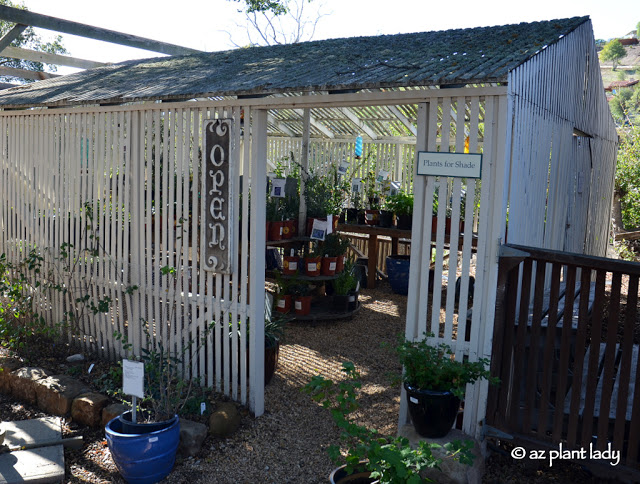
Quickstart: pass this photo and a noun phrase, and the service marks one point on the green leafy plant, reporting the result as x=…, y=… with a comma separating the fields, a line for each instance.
x=274, y=328
x=401, y=203
x=391, y=460
x=346, y=281
x=335, y=245
x=430, y=367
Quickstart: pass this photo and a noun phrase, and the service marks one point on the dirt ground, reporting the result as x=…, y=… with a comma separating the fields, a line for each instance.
x=288, y=443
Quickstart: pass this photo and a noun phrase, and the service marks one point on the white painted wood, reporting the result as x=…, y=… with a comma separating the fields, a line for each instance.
x=256, y=282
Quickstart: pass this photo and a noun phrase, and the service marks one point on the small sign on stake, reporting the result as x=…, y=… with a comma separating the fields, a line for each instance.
x=277, y=187
x=133, y=382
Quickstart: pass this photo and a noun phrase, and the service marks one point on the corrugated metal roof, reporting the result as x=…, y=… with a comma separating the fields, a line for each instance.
x=461, y=56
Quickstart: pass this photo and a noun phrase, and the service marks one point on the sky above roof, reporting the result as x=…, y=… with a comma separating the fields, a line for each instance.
x=213, y=25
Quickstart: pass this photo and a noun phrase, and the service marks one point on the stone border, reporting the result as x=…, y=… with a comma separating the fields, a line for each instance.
x=63, y=395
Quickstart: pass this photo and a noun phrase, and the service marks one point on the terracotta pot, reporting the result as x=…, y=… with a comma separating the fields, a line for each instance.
x=284, y=303
x=371, y=217
x=290, y=265
x=288, y=229
x=267, y=232
x=303, y=305
x=329, y=266
x=312, y=266
x=340, y=263
x=276, y=230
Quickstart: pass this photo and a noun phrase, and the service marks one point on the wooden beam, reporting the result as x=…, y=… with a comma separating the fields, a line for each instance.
x=359, y=123
x=403, y=119
x=276, y=122
x=11, y=35
x=25, y=74
x=47, y=58
x=75, y=28
x=320, y=127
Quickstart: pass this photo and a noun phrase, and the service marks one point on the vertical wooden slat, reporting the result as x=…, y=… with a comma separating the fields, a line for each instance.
x=563, y=369
x=594, y=357
x=609, y=361
x=622, y=383
x=581, y=336
x=549, y=366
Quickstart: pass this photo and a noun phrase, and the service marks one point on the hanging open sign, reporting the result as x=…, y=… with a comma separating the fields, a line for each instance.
x=217, y=177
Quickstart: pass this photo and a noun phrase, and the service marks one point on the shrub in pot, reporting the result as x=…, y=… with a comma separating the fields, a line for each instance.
x=384, y=459
x=401, y=204
x=144, y=451
x=342, y=287
x=435, y=383
x=336, y=245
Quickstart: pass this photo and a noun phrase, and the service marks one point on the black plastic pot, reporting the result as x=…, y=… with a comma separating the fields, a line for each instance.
x=385, y=219
x=271, y=353
x=432, y=412
x=352, y=215
x=341, y=303
x=353, y=300
x=361, y=218
x=359, y=476
x=404, y=222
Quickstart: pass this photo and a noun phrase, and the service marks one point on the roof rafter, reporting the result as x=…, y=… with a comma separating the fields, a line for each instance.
x=25, y=74
x=11, y=35
x=319, y=126
x=47, y=58
x=278, y=124
x=75, y=28
x=404, y=120
x=359, y=122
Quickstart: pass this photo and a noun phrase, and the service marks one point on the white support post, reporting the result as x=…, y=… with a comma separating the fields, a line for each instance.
x=256, y=276
x=304, y=162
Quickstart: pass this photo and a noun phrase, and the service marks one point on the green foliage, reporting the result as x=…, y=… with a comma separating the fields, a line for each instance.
x=346, y=281
x=400, y=203
x=28, y=39
x=613, y=51
x=277, y=7
x=274, y=328
x=334, y=245
x=627, y=181
x=21, y=325
x=430, y=367
x=391, y=460
x=625, y=105
x=166, y=391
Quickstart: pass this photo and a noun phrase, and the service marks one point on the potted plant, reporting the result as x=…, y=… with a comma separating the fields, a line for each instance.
x=274, y=219
x=336, y=245
x=301, y=299
x=284, y=297
x=401, y=204
x=372, y=214
x=313, y=262
x=370, y=456
x=435, y=383
x=343, y=285
x=144, y=451
x=290, y=263
x=273, y=336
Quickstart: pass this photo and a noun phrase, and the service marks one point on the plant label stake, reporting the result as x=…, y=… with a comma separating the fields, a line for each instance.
x=133, y=382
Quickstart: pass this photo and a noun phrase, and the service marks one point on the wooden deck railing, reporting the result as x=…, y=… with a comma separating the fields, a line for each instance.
x=565, y=347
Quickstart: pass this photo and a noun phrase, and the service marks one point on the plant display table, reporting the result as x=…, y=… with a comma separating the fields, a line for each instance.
x=374, y=232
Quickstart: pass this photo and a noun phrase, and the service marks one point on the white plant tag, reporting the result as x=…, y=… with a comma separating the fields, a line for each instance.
x=332, y=266
x=413, y=400
x=281, y=303
x=133, y=378
x=90, y=368
x=153, y=439
x=312, y=266
x=293, y=265
x=203, y=408
x=299, y=305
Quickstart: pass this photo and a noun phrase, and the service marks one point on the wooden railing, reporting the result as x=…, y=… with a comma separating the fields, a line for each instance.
x=565, y=348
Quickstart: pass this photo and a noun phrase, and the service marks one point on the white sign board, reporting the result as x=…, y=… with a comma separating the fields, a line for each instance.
x=133, y=378
x=459, y=165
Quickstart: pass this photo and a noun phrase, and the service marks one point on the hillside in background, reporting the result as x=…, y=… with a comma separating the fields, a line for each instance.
x=628, y=64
